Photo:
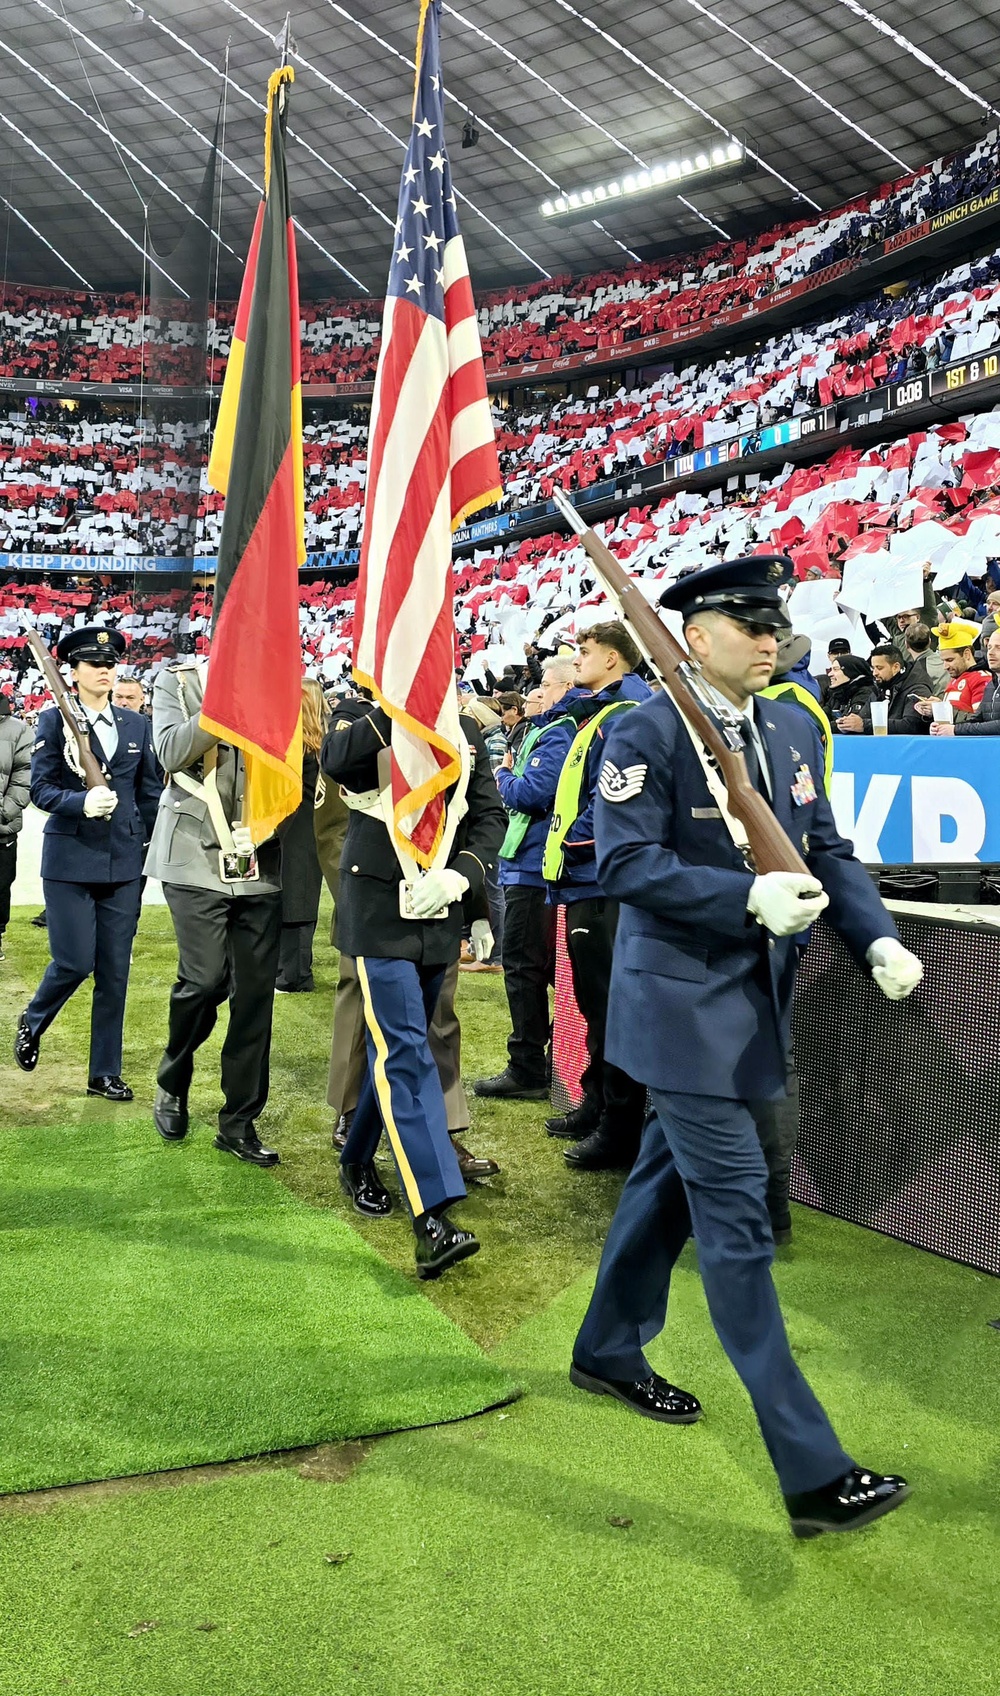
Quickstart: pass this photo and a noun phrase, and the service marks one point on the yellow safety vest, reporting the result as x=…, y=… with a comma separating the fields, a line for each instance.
x=786, y=690
x=566, y=809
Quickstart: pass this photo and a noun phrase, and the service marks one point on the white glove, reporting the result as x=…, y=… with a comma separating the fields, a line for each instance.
x=435, y=890
x=896, y=971
x=242, y=841
x=99, y=803
x=482, y=939
x=786, y=902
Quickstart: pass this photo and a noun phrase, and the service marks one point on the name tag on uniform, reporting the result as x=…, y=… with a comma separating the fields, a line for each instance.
x=803, y=789
x=133, y=747
x=705, y=813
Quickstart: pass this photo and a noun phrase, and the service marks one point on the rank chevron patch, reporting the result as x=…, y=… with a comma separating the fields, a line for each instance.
x=617, y=785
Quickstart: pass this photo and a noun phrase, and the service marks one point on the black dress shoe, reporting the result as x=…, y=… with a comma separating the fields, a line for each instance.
x=441, y=1244
x=112, y=1088
x=25, y=1046
x=366, y=1189
x=653, y=1397
x=600, y=1152
x=39, y=921
x=247, y=1147
x=341, y=1129
x=508, y=1087
x=847, y=1504
x=578, y=1122
x=472, y=1165
x=170, y=1115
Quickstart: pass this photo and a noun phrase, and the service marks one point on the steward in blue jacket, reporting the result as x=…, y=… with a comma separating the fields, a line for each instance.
x=92, y=851
x=701, y=999
x=528, y=787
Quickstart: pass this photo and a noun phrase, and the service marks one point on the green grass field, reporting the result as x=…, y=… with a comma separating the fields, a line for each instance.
x=555, y=1545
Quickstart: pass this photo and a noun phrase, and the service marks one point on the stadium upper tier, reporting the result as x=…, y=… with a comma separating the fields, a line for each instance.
x=78, y=481
x=83, y=337
x=929, y=496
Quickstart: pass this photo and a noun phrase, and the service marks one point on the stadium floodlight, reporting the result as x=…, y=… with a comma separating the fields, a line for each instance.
x=706, y=162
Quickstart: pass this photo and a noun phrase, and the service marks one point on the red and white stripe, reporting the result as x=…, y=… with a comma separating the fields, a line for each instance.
x=432, y=461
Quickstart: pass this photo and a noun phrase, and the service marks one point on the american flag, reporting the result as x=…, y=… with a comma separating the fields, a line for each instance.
x=432, y=461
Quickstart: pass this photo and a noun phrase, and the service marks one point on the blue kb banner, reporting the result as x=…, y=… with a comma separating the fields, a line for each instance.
x=914, y=800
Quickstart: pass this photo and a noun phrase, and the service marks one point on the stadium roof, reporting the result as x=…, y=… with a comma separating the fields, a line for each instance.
x=830, y=98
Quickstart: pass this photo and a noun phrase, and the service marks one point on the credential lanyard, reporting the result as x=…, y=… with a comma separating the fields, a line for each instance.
x=717, y=789
x=209, y=793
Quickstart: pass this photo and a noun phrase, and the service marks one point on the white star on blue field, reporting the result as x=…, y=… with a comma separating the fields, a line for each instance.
x=426, y=215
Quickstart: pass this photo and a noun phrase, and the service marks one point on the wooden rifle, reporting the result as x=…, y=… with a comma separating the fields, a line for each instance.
x=76, y=720
x=769, y=848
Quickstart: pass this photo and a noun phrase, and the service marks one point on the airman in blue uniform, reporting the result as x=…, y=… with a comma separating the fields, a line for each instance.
x=699, y=1011
x=92, y=852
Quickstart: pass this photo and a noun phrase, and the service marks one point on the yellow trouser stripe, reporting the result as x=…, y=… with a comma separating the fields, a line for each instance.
x=384, y=1093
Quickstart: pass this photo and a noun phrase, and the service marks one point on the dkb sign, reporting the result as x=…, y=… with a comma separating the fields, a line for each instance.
x=918, y=800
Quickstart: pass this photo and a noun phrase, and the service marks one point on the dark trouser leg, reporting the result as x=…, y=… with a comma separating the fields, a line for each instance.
x=629, y=1304
x=590, y=941
x=399, y=998
x=529, y=955
x=253, y=940
x=495, y=900
x=295, y=955
x=116, y=911
x=444, y=1033
x=72, y=926
x=717, y=1152
x=200, y=920
x=8, y=871
x=366, y=1126
x=348, y=1053
x=778, y=1129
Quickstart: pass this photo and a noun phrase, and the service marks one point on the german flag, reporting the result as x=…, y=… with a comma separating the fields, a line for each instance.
x=253, y=694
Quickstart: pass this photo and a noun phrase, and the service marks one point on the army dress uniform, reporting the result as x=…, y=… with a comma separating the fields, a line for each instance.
x=348, y=1046
x=228, y=933
x=401, y=964
x=699, y=1012
x=91, y=868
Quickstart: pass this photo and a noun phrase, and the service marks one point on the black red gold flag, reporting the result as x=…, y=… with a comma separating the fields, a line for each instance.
x=254, y=688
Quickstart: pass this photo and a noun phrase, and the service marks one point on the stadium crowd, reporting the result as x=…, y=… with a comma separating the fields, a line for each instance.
x=931, y=496
x=95, y=338
x=76, y=483
x=82, y=476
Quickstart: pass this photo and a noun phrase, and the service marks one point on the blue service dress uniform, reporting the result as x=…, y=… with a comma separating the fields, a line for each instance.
x=699, y=1012
x=91, y=873
x=401, y=963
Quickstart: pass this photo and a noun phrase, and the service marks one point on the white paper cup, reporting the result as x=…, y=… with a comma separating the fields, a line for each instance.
x=880, y=718
x=944, y=712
